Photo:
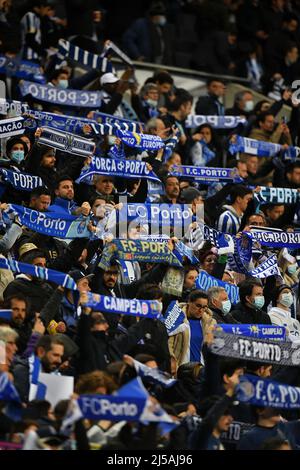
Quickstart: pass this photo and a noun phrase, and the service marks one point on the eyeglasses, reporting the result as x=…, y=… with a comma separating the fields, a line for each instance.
x=202, y=307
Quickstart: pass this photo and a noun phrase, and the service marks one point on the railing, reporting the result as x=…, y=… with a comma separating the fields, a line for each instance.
x=181, y=71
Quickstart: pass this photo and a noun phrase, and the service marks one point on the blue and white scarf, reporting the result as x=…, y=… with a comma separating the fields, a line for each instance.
x=60, y=96
x=111, y=47
x=266, y=269
x=118, y=122
x=254, y=147
x=268, y=195
x=134, y=307
x=254, y=390
x=158, y=215
x=20, y=181
x=93, y=61
x=255, y=331
x=60, y=225
x=217, y=122
x=206, y=174
x=117, y=167
x=15, y=126
x=170, y=146
x=46, y=274
x=259, y=350
x=8, y=391
x=204, y=281
x=275, y=239
x=13, y=107
x=140, y=141
x=152, y=375
x=173, y=318
x=23, y=69
x=182, y=250
x=130, y=403
x=66, y=142
x=138, y=250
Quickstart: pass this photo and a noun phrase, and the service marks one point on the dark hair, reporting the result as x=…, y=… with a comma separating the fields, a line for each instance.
x=13, y=141
x=6, y=304
x=190, y=267
x=277, y=292
x=246, y=287
x=292, y=166
x=228, y=366
x=197, y=294
x=149, y=292
x=262, y=116
x=56, y=73
x=41, y=190
x=32, y=255
x=62, y=178
x=163, y=77
x=46, y=342
x=182, y=97
x=210, y=80
x=239, y=191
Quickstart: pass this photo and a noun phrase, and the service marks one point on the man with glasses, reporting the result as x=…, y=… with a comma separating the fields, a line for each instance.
x=185, y=343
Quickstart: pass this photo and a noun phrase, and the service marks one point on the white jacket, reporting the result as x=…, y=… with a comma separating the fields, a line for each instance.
x=282, y=317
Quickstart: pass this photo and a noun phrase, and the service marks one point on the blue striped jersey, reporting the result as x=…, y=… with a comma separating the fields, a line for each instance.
x=229, y=221
x=30, y=23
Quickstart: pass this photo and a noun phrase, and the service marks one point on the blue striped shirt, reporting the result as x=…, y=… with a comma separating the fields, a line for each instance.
x=229, y=221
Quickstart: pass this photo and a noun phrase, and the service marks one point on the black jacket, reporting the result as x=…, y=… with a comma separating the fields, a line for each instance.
x=244, y=314
x=209, y=105
x=36, y=291
x=220, y=317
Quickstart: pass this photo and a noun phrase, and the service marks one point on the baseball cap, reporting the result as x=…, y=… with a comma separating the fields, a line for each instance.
x=26, y=248
x=108, y=78
x=189, y=194
x=76, y=274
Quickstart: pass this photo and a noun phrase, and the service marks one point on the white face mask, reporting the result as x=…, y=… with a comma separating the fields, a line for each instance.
x=292, y=268
x=152, y=103
x=226, y=306
x=249, y=106
x=63, y=83
x=287, y=299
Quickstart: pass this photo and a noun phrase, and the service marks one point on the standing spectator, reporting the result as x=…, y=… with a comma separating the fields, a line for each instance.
x=151, y=38
x=211, y=104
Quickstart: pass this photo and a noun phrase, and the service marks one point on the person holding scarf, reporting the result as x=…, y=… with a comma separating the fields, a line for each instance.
x=16, y=153
x=280, y=313
x=185, y=343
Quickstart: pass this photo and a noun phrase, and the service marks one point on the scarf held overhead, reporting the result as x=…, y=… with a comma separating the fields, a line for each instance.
x=265, y=392
x=116, y=167
x=217, y=122
x=137, y=250
x=138, y=308
x=59, y=96
x=66, y=142
x=60, y=225
x=250, y=349
x=46, y=274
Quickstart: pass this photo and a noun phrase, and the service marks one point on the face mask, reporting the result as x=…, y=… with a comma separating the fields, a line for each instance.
x=249, y=106
x=17, y=156
x=292, y=268
x=152, y=103
x=63, y=84
x=287, y=299
x=259, y=301
x=226, y=306
x=111, y=140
